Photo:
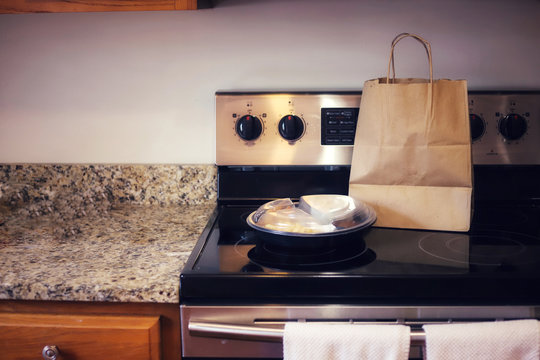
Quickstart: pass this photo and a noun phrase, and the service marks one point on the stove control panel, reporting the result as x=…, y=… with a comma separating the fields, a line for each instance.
x=292, y=128
x=505, y=128
x=318, y=128
x=338, y=125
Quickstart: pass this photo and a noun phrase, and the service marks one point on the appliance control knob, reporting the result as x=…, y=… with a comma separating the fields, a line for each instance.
x=291, y=127
x=512, y=126
x=249, y=127
x=478, y=126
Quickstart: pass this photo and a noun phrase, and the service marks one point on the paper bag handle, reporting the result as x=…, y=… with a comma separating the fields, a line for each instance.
x=423, y=41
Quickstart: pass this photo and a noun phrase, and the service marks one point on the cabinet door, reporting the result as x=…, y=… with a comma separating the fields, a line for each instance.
x=23, y=336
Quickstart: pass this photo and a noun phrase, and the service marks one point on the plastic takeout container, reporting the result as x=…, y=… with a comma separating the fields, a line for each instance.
x=313, y=216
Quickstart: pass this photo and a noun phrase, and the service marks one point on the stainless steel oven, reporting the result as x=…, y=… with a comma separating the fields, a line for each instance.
x=237, y=293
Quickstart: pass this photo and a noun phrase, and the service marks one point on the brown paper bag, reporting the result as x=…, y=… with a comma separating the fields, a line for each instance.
x=412, y=152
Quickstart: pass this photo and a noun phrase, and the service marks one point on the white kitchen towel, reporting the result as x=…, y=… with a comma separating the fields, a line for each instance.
x=314, y=341
x=501, y=340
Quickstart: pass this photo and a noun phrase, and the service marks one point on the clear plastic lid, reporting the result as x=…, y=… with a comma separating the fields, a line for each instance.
x=312, y=215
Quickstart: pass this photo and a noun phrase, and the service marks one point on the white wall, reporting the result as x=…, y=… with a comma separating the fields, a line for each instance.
x=138, y=87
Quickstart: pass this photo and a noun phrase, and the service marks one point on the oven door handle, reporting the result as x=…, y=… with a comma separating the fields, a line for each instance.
x=260, y=333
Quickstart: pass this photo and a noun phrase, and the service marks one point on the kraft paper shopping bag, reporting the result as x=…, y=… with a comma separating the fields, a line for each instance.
x=412, y=153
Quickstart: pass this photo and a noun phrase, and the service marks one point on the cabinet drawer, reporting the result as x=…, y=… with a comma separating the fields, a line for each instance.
x=80, y=337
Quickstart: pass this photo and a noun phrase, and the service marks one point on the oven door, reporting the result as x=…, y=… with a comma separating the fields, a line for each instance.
x=257, y=331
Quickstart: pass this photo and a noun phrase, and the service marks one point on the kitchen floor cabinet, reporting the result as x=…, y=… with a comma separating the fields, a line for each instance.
x=30, y=6
x=89, y=330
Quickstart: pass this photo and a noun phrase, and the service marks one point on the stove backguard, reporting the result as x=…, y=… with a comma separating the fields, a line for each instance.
x=318, y=128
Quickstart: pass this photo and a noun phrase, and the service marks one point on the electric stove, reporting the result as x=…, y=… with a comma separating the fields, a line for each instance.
x=237, y=291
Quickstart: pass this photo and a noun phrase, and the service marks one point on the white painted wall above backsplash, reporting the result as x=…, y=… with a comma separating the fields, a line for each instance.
x=138, y=87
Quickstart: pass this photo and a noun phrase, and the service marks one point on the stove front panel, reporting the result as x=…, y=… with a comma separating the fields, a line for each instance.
x=250, y=331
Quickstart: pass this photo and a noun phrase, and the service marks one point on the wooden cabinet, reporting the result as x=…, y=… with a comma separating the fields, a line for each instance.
x=81, y=337
x=29, y=6
x=85, y=331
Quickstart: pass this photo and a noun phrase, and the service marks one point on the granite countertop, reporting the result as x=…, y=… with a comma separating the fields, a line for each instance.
x=119, y=233
x=135, y=253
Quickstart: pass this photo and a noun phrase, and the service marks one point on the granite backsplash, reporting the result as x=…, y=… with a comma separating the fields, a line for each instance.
x=63, y=192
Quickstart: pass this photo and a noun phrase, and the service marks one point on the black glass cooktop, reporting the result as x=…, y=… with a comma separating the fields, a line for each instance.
x=498, y=262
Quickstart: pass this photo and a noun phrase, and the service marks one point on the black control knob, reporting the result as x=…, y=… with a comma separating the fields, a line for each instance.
x=512, y=126
x=291, y=127
x=249, y=127
x=478, y=126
